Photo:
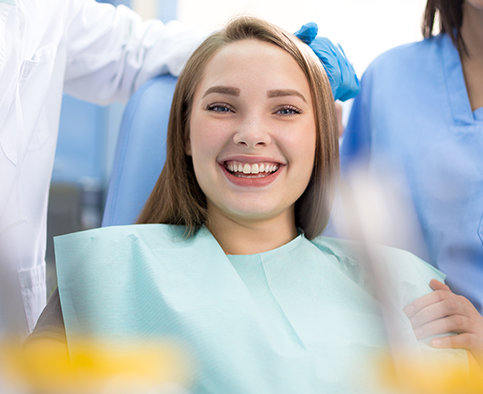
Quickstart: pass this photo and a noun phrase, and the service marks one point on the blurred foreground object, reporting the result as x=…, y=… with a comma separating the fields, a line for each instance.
x=412, y=377
x=44, y=366
x=411, y=366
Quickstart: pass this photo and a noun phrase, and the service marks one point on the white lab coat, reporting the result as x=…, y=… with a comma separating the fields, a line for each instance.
x=92, y=51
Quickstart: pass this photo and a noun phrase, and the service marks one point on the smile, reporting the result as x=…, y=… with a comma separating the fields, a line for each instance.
x=250, y=170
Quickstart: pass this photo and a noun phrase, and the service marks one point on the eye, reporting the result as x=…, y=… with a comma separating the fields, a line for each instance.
x=288, y=110
x=219, y=108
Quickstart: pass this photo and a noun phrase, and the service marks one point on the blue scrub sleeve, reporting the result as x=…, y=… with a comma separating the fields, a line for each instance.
x=357, y=135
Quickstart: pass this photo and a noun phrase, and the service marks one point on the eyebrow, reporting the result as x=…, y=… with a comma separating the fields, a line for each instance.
x=223, y=90
x=285, y=92
x=270, y=94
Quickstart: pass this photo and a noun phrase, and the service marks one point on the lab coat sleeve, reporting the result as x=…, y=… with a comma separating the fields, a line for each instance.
x=111, y=51
x=357, y=136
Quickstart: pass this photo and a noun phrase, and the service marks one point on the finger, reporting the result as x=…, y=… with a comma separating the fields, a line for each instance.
x=425, y=301
x=453, y=323
x=439, y=310
x=437, y=285
x=307, y=32
x=461, y=341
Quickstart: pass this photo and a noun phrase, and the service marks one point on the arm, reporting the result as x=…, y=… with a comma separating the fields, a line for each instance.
x=443, y=311
x=111, y=51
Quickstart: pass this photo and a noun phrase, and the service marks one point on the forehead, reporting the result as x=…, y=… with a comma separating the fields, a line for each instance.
x=254, y=63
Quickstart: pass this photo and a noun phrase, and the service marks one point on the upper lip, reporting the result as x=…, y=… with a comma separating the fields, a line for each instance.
x=250, y=159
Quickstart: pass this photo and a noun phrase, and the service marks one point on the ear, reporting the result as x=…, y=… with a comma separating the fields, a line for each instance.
x=187, y=147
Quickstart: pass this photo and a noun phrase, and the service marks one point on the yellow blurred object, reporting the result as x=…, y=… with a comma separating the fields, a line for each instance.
x=45, y=366
x=412, y=377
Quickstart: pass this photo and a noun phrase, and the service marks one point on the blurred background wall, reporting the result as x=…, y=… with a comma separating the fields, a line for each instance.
x=364, y=28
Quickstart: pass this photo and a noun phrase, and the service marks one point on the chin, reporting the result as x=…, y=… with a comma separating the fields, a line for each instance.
x=255, y=213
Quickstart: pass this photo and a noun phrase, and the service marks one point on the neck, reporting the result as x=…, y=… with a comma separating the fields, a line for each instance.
x=251, y=236
x=472, y=33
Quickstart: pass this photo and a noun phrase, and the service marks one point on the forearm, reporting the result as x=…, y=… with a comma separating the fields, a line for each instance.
x=111, y=51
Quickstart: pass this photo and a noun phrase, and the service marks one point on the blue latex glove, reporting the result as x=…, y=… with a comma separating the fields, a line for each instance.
x=342, y=77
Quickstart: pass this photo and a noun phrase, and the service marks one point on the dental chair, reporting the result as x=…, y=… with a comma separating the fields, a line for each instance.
x=140, y=151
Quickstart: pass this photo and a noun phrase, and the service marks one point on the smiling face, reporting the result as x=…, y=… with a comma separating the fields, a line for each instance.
x=252, y=133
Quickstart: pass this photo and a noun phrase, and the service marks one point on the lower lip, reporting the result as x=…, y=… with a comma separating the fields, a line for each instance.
x=251, y=182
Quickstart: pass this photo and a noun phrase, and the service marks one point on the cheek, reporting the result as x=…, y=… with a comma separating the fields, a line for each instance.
x=304, y=145
x=307, y=152
x=300, y=149
x=309, y=146
x=206, y=140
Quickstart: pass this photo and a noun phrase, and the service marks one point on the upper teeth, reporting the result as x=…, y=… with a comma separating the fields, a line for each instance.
x=254, y=168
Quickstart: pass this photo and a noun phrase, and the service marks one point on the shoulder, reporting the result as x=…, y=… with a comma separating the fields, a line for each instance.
x=395, y=79
x=117, y=243
x=416, y=52
x=124, y=234
x=118, y=246
x=397, y=259
x=406, y=273
x=403, y=66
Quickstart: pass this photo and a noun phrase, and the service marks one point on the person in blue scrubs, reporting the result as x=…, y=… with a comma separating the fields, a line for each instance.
x=420, y=111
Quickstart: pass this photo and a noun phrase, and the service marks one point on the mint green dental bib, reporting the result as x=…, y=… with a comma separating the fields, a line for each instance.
x=297, y=319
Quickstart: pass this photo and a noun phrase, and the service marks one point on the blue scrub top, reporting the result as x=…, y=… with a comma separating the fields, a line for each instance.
x=413, y=113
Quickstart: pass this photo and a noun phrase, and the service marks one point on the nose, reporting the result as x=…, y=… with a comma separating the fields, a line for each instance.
x=253, y=132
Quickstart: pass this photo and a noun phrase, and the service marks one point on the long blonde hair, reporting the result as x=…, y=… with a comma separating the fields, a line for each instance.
x=177, y=197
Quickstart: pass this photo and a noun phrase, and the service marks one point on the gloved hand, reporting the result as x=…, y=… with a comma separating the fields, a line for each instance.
x=342, y=77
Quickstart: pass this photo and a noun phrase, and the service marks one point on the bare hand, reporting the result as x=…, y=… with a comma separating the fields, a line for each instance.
x=443, y=311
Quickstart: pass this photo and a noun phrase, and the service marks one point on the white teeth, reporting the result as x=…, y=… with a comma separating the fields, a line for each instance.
x=255, y=169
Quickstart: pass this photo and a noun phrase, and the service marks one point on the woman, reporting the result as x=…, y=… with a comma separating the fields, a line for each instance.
x=236, y=272
x=420, y=111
